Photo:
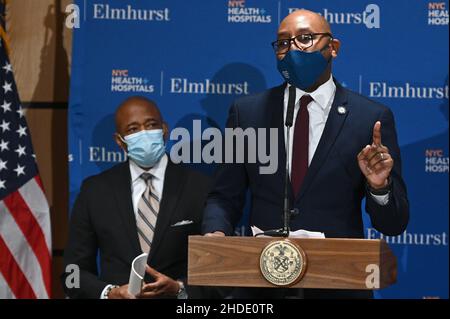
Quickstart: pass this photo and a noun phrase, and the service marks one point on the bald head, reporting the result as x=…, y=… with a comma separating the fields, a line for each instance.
x=307, y=31
x=134, y=112
x=308, y=22
x=303, y=21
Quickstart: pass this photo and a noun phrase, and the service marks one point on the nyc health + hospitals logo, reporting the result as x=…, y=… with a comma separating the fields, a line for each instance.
x=123, y=81
x=437, y=13
x=436, y=161
x=239, y=12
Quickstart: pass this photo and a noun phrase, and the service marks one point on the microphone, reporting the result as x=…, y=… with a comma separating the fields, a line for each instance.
x=284, y=232
x=290, y=108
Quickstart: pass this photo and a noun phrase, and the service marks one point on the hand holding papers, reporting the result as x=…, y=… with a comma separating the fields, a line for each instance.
x=137, y=274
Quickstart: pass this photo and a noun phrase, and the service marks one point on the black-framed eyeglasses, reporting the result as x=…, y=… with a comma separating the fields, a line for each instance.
x=301, y=41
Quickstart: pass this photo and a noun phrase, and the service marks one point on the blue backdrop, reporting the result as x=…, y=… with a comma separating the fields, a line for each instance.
x=175, y=52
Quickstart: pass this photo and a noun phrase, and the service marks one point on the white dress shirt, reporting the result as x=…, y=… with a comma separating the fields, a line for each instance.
x=318, y=110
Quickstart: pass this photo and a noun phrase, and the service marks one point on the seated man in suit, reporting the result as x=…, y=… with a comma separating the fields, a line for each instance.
x=146, y=204
x=343, y=148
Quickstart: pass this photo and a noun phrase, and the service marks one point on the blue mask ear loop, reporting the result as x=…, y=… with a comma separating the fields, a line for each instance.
x=324, y=48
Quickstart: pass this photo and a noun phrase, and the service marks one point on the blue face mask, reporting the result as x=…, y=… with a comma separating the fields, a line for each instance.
x=145, y=147
x=302, y=69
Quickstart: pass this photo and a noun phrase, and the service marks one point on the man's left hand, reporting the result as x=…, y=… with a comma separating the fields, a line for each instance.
x=162, y=286
x=375, y=162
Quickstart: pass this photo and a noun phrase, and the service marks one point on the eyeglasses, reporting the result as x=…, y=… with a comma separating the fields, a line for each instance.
x=301, y=41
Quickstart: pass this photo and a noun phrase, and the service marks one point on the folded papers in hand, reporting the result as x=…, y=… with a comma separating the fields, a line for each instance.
x=137, y=274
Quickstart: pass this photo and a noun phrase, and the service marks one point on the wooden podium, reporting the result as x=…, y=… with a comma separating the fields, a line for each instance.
x=330, y=263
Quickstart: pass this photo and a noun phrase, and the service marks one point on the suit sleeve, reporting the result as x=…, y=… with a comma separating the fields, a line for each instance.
x=82, y=248
x=392, y=218
x=226, y=200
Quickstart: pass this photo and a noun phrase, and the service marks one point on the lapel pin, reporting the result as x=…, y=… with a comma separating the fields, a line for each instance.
x=341, y=110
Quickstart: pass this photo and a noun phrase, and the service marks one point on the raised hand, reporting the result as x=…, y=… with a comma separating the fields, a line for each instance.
x=375, y=161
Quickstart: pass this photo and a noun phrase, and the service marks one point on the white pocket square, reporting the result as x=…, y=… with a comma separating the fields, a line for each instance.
x=182, y=223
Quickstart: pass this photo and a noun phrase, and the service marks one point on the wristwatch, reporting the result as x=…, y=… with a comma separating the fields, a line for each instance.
x=108, y=290
x=181, y=294
x=380, y=191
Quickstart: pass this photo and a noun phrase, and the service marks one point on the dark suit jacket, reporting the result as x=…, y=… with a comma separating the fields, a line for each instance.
x=330, y=198
x=103, y=221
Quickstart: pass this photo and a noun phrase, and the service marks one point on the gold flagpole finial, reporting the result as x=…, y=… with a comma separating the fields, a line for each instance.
x=3, y=34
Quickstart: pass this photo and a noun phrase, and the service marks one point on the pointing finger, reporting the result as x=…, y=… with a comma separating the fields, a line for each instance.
x=376, y=137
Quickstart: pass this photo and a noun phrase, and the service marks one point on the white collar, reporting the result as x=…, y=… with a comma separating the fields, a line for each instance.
x=158, y=170
x=322, y=95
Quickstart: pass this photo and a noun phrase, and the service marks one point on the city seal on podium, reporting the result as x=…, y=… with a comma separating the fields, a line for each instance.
x=282, y=263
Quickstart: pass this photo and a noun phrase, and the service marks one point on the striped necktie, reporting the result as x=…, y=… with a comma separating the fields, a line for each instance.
x=148, y=207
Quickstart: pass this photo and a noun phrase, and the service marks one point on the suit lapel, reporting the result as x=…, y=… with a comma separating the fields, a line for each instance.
x=122, y=193
x=331, y=131
x=174, y=180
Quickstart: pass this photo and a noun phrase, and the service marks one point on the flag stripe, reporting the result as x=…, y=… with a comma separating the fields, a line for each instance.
x=13, y=274
x=5, y=291
x=22, y=252
x=33, y=233
x=33, y=195
x=38, y=180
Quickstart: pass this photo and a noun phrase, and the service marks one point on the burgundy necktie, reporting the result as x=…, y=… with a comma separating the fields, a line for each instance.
x=299, y=164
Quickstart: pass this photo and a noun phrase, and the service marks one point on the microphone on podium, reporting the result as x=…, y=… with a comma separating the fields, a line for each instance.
x=287, y=212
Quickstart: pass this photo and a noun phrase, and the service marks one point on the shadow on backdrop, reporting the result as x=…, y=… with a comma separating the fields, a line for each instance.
x=216, y=109
x=216, y=106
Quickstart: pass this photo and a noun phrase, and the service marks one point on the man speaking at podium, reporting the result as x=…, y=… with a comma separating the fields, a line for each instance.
x=344, y=148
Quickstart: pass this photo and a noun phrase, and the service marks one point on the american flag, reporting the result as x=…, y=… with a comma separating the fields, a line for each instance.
x=25, y=237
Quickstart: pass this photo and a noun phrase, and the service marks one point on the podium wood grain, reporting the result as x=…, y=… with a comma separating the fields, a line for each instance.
x=331, y=263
